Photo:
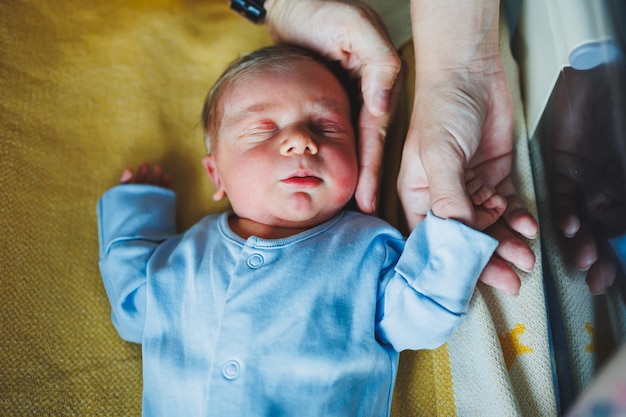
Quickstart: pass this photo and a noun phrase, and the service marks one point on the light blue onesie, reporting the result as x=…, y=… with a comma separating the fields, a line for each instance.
x=308, y=325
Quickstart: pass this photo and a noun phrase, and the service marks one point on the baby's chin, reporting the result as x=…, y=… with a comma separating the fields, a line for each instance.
x=304, y=214
x=294, y=221
x=292, y=215
x=274, y=227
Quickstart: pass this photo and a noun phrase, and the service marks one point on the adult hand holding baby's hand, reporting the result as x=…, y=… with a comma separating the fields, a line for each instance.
x=146, y=174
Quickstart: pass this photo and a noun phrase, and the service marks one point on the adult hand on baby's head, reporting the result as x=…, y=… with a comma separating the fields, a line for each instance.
x=146, y=174
x=352, y=33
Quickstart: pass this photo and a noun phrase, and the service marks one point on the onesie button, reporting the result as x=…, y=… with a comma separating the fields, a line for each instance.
x=255, y=261
x=231, y=369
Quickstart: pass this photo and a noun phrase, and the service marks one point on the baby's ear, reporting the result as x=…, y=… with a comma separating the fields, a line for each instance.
x=211, y=169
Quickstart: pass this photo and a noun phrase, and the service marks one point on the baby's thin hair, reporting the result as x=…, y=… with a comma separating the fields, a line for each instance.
x=276, y=58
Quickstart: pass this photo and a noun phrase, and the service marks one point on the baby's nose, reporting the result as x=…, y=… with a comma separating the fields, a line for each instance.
x=299, y=141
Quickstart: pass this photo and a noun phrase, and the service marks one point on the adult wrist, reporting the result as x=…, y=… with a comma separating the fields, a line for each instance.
x=458, y=35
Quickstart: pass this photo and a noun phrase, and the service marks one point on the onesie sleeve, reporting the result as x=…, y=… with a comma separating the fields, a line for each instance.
x=132, y=220
x=427, y=294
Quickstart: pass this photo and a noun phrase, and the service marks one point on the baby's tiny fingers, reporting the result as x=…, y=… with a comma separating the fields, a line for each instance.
x=160, y=177
x=143, y=173
x=155, y=175
x=469, y=174
x=496, y=202
x=166, y=180
x=473, y=185
x=484, y=193
x=127, y=176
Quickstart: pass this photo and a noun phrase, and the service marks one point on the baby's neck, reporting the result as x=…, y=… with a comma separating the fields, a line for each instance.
x=246, y=228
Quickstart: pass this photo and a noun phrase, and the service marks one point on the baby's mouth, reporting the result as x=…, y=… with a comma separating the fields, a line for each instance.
x=302, y=180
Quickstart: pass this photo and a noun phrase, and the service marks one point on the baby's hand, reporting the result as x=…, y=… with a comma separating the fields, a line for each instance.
x=146, y=174
x=489, y=206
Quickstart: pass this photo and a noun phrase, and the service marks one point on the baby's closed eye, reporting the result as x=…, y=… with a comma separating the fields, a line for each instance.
x=260, y=129
x=328, y=127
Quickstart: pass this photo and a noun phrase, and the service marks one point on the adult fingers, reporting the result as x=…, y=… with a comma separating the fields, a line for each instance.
x=442, y=189
x=372, y=132
x=511, y=248
x=517, y=216
x=499, y=274
x=444, y=165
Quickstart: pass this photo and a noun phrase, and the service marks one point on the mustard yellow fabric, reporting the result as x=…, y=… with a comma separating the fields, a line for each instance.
x=88, y=87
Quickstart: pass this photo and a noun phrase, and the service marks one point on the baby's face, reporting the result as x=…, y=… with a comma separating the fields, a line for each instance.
x=285, y=153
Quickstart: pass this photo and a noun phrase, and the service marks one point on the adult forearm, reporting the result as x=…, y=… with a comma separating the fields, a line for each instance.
x=455, y=34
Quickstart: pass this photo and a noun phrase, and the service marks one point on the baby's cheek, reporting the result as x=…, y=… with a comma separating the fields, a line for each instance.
x=344, y=169
x=346, y=187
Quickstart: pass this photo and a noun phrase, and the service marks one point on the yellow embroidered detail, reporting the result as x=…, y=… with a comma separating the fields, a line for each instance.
x=511, y=345
x=591, y=331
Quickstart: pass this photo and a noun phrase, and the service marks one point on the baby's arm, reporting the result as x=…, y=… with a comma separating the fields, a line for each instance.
x=431, y=285
x=489, y=206
x=134, y=218
x=427, y=294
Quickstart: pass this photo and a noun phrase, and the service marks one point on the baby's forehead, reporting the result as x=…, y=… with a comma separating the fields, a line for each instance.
x=269, y=79
x=293, y=65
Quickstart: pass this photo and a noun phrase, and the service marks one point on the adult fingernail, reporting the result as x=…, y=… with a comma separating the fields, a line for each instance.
x=381, y=102
x=373, y=205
